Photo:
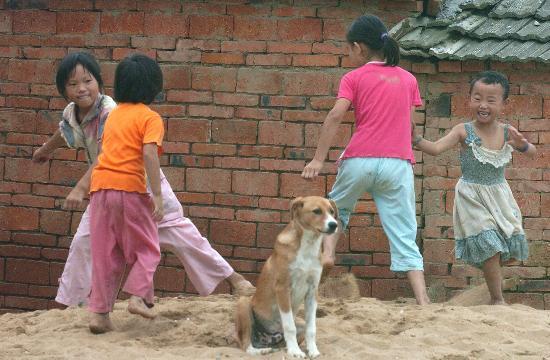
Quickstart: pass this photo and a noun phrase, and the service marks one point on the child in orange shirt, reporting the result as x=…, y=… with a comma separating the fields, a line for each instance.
x=123, y=214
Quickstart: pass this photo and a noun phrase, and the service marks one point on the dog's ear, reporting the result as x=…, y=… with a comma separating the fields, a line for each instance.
x=295, y=206
x=335, y=208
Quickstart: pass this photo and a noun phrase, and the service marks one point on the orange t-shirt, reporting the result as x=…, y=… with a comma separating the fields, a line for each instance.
x=120, y=164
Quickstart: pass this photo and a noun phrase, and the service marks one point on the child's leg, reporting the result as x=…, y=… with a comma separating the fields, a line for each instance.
x=140, y=245
x=107, y=259
x=493, y=278
x=75, y=282
x=205, y=267
x=394, y=196
x=351, y=183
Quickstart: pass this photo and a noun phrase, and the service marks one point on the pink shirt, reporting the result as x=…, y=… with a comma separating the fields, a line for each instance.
x=382, y=98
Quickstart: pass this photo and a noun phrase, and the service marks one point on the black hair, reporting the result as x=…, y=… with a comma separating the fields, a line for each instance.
x=371, y=31
x=138, y=79
x=67, y=66
x=491, y=77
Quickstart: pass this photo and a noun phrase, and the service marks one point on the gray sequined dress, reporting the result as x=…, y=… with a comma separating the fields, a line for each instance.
x=486, y=217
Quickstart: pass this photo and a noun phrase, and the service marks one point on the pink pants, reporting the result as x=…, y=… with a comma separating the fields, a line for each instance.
x=124, y=234
x=203, y=265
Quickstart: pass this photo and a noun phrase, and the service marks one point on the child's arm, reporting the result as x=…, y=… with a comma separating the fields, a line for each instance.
x=330, y=127
x=152, y=168
x=455, y=136
x=76, y=196
x=42, y=154
x=520, y=143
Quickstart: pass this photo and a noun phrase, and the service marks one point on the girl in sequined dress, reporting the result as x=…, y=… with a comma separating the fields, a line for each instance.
x=487, y=220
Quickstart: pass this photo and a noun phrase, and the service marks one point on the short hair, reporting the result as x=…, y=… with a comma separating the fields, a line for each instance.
x=138, y=79
x=491, y=77
x=68, y=65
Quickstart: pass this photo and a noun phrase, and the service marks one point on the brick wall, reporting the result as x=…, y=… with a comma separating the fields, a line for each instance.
x=246, y=90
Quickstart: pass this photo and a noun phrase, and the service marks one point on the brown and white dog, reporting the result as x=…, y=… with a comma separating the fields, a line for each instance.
x=289, y=278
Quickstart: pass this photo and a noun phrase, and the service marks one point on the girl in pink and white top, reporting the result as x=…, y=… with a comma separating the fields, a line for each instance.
x=379, y=156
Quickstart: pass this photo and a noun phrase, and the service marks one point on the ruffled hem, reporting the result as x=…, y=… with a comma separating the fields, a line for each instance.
x=476, y=249
x=497, y=158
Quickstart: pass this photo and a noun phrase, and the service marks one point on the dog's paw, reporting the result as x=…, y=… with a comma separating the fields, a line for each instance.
x=296, y=353
x=258, y=351
x=313, y=353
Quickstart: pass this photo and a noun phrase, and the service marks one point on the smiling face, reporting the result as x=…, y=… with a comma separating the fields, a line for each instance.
x=82, y=89
x=486, y=101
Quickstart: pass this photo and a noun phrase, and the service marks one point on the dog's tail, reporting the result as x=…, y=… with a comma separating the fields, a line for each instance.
x=243, y=322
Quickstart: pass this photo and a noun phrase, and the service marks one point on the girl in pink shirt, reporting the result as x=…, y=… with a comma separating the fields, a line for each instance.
x=378, y=158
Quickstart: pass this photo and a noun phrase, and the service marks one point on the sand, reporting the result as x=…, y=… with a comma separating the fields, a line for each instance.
x=349, y=328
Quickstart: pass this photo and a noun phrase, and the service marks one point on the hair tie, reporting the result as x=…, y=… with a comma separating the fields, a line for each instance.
x=384, y=36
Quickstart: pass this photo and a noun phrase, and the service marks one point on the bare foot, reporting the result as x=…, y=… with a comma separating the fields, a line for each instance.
x=243, y=288
x=137, y=306
x=100, y=323
x=497, y=302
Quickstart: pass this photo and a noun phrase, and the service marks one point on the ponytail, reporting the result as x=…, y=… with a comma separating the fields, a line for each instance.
x=391, y=51
x=371, y=31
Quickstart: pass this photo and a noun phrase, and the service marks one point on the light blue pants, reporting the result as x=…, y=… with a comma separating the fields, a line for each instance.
x=390, y=181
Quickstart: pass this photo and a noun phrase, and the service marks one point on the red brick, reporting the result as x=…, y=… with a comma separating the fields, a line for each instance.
x=27, y=271
x=255, y=183
x=248, y=10
x=335, y=29
x=222, y=58
x=54, y=254
x=376, y=272
x=390, y=289
x=34, y=21
x=77, y=22
x=289, y=47
x=267, y=233
x=226, y=162
x=14, y=289
x=197, y=44
x=189, y=96
x=236, y=99
x=214, y=78
x=166, y=24
x=243, y=46
x=32, y=201
x=274, y=203
x=232, y=233
x=121, y=53
x=261, y=151
x=315, y=60
x=303, y=29
x=259, y=81
x=208, y=180
x=55, y=222
x=26, y=102
x=67, y=172
x=311, y=83
x=281, y=165
x=269, y=59
x=21, y=169
x=19, y=251
x=169, y=279
x=337, y=48
x=293, y=185
x=210, y=111
x=280, y=133
x=234, y=131
x=118, y=5
x=34, y=239
x=255, y=28
x=176, y=77
x=211, y=27
x=211, y=212
x=122, y=23
x=236, y=200
x=283, y=101
x=43, y=291
x=188, y=130
x=214, y=149
x=259, y=114
x=294, y=11
x=26, y=303
x=153, y=42
x=31, y=71
x=14, y=88
x=169, y=110
x=13, y=187
x=70, y=5
x=258, y=216
x=163, y=5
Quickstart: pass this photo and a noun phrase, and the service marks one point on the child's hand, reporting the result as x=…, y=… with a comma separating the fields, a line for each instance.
x=517, y=140
x=41, y=154
x=312, y=169
x=74, y=199
x=158, y=208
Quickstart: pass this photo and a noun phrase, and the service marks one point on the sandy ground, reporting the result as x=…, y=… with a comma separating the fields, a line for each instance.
x=351, y=328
